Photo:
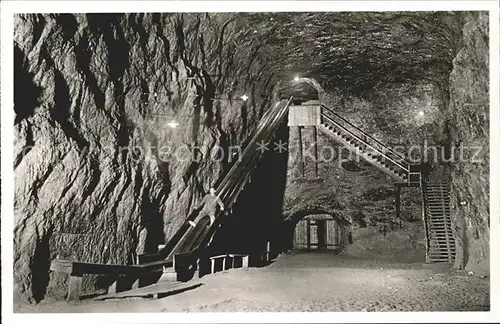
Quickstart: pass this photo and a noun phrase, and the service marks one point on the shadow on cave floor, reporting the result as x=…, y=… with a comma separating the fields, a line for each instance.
x=327, y=259
x=310, y=282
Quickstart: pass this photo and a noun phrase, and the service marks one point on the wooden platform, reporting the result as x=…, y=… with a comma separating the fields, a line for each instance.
x=158, y=290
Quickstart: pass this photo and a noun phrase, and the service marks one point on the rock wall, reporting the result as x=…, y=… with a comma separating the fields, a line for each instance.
x=98, y=171
x=469, y=132
x=102, y=174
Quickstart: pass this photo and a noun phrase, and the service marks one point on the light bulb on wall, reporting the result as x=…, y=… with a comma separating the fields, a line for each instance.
x=244, y=97
x=173, y=124
x=421, y=113
x=296, y=79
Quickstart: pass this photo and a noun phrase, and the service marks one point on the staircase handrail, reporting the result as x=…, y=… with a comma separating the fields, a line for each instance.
x=246, y=172
x=365, y=134
x=406, y=168
x=260, y=126
x=170, y=246
x=227, y=196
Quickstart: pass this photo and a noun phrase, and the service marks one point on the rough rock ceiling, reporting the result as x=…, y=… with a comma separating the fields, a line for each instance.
x=357, y=51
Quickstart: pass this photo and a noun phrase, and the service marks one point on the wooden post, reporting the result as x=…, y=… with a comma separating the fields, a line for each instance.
x=74, y=287
x=398, y=202
x=301, y=157
x=135, y=285
x=315, y=135
x=245, y=261
x=112, y=288
x=212, y=266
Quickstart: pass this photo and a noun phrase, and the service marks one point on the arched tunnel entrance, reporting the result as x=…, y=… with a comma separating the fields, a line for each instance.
x=317, y=232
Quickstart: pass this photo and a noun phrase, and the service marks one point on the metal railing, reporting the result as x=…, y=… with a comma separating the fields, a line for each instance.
x=406, y=168
x=365, y=138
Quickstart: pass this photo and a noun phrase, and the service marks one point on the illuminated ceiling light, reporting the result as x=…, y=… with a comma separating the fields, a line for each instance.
x=173, y=124
x=244, y=97
x=296, y=79
x=421, y=113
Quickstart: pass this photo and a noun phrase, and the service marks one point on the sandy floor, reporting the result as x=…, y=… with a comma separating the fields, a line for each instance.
x=309, y=282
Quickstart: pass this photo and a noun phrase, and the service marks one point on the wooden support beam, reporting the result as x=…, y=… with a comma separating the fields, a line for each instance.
x=301, y=155
x=74, y=287
x=245, y=261
x=398, y=202
x=113, y=288
x=136, y=284
x=315, y=135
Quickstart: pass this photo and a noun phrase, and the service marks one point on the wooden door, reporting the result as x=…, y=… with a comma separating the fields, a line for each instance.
x=322, y=237
x=313, y=235
x=300, y=238
x=332, y=234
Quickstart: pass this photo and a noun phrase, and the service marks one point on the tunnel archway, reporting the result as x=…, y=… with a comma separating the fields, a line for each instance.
x=317, y=232
x=334, y=228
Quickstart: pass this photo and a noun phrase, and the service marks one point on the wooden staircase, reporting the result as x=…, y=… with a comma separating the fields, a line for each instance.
x=441, y=244
x=369, y=148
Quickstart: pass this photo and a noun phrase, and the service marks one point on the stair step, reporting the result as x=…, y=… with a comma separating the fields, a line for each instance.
x=441, y=254
x=443, y=257
x=441, y=247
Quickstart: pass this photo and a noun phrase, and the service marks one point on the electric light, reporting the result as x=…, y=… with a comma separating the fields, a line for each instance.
x=173, y=124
